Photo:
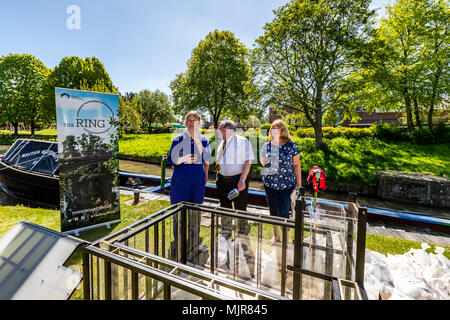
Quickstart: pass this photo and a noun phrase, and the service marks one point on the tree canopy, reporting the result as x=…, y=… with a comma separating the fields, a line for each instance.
x=407, y=60
x=75, y=73
x=306, y=52
x=155, y=107
x=21, y=79
x=218, y=80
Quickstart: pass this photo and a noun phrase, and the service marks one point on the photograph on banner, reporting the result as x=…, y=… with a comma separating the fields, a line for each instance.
x=88, y=143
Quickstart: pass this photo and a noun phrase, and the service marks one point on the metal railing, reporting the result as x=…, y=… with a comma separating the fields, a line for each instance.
x=193, y=251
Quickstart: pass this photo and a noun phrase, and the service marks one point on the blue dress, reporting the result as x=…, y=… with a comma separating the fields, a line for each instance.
x=188, y=180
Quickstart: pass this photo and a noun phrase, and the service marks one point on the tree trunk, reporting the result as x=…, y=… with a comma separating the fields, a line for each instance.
x=430, y=115
x=417, y=113
x=318, y=134
x=32, y=125
x=433, y=98
x=409, y=119
x=16, y=128
x=318, y=127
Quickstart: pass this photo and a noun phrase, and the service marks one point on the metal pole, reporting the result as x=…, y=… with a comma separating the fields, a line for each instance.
x=163, y=171
x=361, y=245
x=212, y=250
x=329, y=266
x=108, y=284
x=283, y=261
x=87, y=276
x=258, y=268
x=134, y=285
x=298, y=245
x=181, y=221
x=136, y=197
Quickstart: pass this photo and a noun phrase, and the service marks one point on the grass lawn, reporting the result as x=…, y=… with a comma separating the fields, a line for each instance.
x=45, y=132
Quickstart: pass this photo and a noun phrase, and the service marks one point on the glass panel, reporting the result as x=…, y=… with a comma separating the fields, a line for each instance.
x=32, y=259
x=178, y=294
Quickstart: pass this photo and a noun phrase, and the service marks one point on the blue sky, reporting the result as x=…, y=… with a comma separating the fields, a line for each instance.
x=142, y=43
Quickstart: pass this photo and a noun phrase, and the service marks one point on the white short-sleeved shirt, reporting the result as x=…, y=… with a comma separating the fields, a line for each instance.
x=238, y=150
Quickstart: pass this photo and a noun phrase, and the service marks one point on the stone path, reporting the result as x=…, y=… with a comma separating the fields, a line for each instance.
x=380, y=228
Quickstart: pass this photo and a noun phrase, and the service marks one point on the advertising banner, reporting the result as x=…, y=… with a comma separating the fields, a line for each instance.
x=88, y=144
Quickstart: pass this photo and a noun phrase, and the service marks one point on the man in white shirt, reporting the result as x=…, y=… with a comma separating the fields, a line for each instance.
x=234, y=158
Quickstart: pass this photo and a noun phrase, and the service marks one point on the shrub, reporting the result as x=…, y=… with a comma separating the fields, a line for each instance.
x=441, y=133
x=339, y=132
x=389, y=132
x=422, y=136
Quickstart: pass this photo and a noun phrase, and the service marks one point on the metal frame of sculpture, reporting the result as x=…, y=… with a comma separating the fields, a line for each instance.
x=158, y=257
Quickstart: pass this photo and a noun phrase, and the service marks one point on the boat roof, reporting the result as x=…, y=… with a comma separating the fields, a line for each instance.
x=33, y=155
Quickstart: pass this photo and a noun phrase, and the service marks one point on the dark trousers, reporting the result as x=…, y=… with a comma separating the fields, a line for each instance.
x=224, y=185
x=279, y=201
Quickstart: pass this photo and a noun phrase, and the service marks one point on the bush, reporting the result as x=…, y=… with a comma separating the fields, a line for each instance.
x=441, y=133
x=390, y=132
x=339, y=132
x=422, y=136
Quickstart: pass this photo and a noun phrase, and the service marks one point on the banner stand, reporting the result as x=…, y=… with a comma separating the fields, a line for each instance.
x=88, y=144
x=77, y=231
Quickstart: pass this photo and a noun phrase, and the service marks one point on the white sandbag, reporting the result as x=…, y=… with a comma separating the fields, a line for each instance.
x=269, y=265
x=222, y=253
x=376, y=274
x=243, y=269
x=416, y=275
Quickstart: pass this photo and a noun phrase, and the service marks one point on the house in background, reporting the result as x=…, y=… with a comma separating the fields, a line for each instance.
x=368, y=119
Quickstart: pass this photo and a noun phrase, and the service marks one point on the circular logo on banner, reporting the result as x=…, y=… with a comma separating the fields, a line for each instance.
x=94, y=117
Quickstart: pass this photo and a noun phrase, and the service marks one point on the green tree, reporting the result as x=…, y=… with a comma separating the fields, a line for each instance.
x=70, y=147
x=296, y=119
x=406, y=61
x=75, y=73
x=401, y=33
x=21, y=80
x=155, y=106
x=218, y=80
x=436, y=85
x=130, y=113
x=253, y=122
x=306, y=53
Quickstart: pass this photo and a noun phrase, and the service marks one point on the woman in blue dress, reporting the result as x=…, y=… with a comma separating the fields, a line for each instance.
x=281, y=171
x=189, y=156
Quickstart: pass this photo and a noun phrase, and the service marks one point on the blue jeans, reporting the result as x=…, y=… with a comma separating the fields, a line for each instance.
x=279, y=201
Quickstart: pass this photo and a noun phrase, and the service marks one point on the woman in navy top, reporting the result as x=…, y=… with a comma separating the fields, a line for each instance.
x=189, y=156
x=281, y=172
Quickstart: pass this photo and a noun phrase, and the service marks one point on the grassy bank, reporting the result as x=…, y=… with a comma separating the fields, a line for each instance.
x=344, y=160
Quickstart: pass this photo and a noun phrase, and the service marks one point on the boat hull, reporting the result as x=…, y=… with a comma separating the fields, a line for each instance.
x=29, y=186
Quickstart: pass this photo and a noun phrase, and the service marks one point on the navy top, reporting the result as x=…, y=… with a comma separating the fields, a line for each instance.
x=278, y=172
x=183, y=144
